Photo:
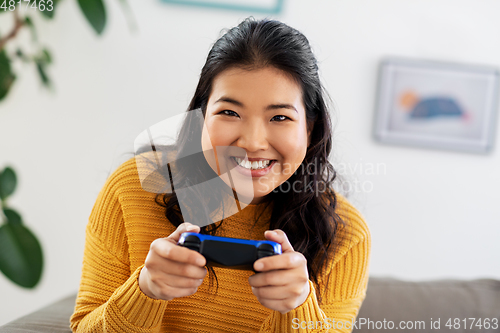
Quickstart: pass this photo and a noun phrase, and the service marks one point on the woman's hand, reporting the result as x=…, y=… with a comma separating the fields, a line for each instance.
x=172, y=271
x=282, y=281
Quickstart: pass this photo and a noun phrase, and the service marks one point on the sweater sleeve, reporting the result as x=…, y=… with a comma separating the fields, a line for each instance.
x=109, y=297
x=343, y=286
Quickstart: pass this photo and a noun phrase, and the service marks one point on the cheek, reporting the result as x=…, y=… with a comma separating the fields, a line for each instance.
x=212, y=137
x=218, y=133
x=206, y=143
x=291, y=144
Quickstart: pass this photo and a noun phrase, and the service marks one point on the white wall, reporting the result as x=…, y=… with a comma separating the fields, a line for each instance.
x=432, y=214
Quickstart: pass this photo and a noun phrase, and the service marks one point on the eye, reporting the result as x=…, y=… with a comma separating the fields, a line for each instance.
x=280, y=118
x=228, y=113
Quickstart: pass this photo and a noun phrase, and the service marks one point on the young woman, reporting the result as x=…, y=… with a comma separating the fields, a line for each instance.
x=259, y=93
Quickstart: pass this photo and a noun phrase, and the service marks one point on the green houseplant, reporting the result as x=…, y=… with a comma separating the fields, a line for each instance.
x=22, y=10
x=21, y=257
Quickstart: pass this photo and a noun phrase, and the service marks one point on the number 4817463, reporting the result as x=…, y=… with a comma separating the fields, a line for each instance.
x=471, y=323
x=40, y=5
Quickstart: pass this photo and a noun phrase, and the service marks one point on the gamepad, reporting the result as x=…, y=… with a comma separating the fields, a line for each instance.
x=229, y=252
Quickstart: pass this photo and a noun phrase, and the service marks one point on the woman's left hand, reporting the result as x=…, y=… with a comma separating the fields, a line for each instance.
x=282, y=281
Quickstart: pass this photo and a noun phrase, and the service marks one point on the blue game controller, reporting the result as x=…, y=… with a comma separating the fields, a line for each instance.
x=229, y=252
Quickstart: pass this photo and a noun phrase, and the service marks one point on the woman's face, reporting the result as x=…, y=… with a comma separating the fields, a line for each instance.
x=258, y=113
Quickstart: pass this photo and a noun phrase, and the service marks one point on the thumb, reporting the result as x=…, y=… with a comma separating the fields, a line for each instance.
x=183, y=227
x=279, y=236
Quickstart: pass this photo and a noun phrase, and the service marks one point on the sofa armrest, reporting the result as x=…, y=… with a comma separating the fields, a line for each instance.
x=53, y=318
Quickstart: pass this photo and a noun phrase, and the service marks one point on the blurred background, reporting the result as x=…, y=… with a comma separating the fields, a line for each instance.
x=432, y=213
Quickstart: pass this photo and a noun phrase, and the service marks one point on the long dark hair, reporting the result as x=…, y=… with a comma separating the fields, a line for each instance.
x=307, y=215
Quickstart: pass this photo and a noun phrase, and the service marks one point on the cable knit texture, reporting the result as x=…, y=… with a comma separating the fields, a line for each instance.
x=126, y=219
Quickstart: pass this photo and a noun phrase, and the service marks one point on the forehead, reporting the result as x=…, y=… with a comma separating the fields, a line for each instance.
x=265, y=83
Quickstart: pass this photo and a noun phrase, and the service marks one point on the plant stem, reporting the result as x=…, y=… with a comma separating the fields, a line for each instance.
x=17, y=25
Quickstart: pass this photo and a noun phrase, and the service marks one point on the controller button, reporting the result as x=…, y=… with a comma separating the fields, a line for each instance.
x=192, y=239
x=266, y=247
x=265, y=250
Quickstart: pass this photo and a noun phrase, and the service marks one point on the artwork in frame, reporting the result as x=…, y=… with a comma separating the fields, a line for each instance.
x=437, y=105
x=255, y=6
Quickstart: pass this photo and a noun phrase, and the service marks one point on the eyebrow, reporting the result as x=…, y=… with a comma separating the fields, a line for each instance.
x=269, y=107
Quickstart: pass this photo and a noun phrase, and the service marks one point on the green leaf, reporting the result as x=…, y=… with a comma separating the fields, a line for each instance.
x=43, y=75
x=50, y=8
x=6, y=76
x=44, y=57
x=8, y=183
x=94, y=13
x=29, y=23
x=13, y=217
x=21, y=258
x=47, y=58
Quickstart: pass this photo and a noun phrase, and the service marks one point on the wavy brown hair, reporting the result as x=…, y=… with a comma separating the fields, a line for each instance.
x=307, y=215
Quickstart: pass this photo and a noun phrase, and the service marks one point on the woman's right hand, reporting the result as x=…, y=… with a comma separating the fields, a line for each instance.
x=172, y=271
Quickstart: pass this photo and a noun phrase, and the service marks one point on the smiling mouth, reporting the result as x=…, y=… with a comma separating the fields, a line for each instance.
x=255, y=165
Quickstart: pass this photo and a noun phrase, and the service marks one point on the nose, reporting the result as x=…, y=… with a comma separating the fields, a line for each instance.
x=253, y=137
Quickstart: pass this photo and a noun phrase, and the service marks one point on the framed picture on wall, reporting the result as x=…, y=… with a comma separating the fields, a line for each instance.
x=437, y=105
x=255, y=6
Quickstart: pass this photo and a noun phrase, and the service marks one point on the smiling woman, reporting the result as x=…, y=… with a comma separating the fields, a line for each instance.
x=258, y=108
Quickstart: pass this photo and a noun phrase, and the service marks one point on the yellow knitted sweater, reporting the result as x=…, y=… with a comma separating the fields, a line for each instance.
x=123, y=223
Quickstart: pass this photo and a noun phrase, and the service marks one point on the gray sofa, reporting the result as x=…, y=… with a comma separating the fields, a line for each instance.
x=439, y=301
x=415, y=304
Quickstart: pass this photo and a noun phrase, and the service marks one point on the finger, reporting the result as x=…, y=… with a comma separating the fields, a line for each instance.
x=287, y=260
x=174, y=281
x=274, y=278
x=279, y=236
x=183, y=227
x=166, y=250
x=182, y=270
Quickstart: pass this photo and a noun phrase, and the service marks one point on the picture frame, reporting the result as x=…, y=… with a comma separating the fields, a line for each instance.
x=254, y=6
x=435, y=104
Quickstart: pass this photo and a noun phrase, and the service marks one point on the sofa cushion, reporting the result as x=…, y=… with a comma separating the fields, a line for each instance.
x=438, y=300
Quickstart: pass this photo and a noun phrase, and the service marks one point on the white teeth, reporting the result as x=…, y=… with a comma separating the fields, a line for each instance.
x=252, y=165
